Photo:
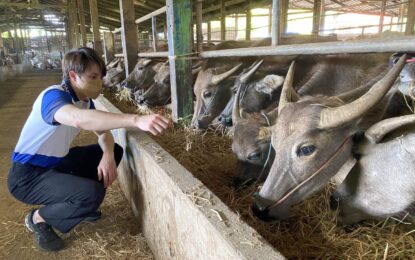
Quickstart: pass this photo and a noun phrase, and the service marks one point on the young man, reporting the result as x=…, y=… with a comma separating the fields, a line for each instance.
x=69, y=183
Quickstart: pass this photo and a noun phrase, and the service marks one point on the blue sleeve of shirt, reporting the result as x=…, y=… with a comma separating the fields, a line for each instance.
x=52, y=100
x=91, y=104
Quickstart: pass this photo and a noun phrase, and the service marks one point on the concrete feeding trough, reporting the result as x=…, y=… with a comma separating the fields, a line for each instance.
x=162, y=194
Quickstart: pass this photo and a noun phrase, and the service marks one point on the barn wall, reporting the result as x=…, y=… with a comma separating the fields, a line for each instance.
x=160, y=192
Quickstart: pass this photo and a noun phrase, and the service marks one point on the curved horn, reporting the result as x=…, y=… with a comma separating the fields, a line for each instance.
x=254, y=67
x=236, y=116
x=221, y=77
x=196, y=70
x=265, y=132
x=335, y=117
x=146, y=62
x=376, y=132
x=288, y=94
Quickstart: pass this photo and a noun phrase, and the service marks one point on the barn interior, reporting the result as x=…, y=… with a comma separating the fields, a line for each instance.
x=173, y=198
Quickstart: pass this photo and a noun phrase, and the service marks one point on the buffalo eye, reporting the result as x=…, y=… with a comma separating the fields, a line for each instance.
x=207, y=94
x=254, y=156
x=306, y=150
x=140, y=68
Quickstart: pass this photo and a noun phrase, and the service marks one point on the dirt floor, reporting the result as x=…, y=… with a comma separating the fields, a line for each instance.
x=115, y=236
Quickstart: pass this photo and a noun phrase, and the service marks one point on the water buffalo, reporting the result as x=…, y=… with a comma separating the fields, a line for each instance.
x=250, y=142
x=142, y=75
x=159, y=93
x=115, y=74
x=313, y=138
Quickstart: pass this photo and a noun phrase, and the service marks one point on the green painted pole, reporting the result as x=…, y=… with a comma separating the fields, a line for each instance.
x=179, y=25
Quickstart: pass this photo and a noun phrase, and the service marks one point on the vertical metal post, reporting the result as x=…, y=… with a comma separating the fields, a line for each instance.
x=154, y=32
x=284, y=16
x=1, y=39
x=275, y=30
x=222, y=20
x=236, y=26
x=248, y=23
x=209, y=31
x=199, y=21
x=16, y=37
x=82, y=20
x=316, y=17
x=128, y=35
x=410, y=21
x=180, y=45
x=382, y=16
x=95, y=26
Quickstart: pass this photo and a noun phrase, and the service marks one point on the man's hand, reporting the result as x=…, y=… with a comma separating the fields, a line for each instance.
x=155, y=124
x=107, y=169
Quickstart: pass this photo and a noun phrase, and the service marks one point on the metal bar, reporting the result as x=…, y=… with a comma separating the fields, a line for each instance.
x=405, y=44
x=316, y=17
x=222, y=20
x=199, y=32
x=152, y=14
x=275, y=30
x=209, y=31
x=128, y=35
x=153, y=54
x=180, y=46
x=119, y=55
x=154, y=32
x=248, y=24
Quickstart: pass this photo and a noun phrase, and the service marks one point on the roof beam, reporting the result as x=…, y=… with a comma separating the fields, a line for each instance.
x=32, y=5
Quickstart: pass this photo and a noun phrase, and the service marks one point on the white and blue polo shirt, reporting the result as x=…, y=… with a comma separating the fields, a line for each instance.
x=43, y=141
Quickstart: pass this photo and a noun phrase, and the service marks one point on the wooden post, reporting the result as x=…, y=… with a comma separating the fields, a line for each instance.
x=165, y=30
x=82, y=20
x=316, y=17
x=180, y=45
x=409, y=30
x=109, y=48
x=382, y=16
x=248, y=24
x=128, y=35
x=222, y=20
x=209, y=31
x=75, y=24
x=154, y=32
x=284, y=16
x=401, y=15
x=199, y=21
x=270, y=21
x=275, y=31
x=95, y=26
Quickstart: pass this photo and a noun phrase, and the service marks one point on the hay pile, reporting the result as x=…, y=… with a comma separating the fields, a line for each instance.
x=312, y=232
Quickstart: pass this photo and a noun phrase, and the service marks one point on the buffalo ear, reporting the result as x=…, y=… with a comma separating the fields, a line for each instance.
x=269, y=84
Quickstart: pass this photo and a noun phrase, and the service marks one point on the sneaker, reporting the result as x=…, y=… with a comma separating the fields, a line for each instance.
x=45, y=237
x=93, y=216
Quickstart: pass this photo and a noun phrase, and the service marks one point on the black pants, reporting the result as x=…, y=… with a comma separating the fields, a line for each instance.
x=68, y=191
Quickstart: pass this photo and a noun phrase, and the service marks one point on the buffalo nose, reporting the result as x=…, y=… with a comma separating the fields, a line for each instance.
x=262, y=214
x=228, y=121
x=123, y=84
x=334, y=202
